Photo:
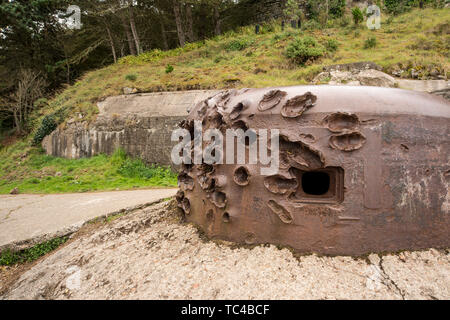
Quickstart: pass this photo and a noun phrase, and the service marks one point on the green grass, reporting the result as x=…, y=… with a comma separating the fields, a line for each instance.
x=34, y=172
x=9, y=258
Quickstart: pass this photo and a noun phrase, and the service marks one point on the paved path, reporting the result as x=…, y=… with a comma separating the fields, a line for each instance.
x=26, y=219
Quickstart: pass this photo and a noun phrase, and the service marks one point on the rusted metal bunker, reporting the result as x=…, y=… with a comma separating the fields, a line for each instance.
x=362, y=169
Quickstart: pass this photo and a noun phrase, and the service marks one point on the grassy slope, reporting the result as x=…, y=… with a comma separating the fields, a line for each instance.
x=411, y=39
x=416, y=39
x=33, y=172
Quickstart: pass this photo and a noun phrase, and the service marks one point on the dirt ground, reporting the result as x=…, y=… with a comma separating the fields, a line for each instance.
x=149, y=254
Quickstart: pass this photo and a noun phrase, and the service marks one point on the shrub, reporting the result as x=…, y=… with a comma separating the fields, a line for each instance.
x=219, y=58
x=47, y=126
x=49, y=123
x=146, y=57
x=371, y=42
x=267, y=28
x=397, y=6
x=292, y=11
x=344, y=21
x=358, y=16
x=169, y=68
x=311, y=25
x=337, y=8
x=313, y=8
x=131, y=77
x=236, y=45
x=331, y=45
x=303, y=50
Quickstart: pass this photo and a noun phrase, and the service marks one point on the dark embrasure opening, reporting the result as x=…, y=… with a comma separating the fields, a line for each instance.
x=316, y=183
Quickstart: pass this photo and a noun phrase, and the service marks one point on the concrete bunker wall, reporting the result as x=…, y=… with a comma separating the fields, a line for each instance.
x=141, y=124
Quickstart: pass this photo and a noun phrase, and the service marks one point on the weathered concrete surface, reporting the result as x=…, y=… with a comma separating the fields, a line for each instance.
x=149, y=255
x=29, y=219
x=141, y=124
x=423, y=85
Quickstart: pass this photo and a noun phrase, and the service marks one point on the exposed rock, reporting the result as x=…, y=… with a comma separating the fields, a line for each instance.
x=376, y=78
x=366, y=77
x=414, y=74
x=127, y=90
x=353, y=67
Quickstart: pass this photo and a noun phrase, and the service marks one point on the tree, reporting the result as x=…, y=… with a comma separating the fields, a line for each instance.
x=292, y=10
x=190, y=21
x=33, y=38
x=137, y=41
x=21, y=102
x=179, y=23
x=358, y=16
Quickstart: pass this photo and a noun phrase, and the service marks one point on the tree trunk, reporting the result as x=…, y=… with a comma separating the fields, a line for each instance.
x=217, y=29
x=180, y=31
x=126, y=27
x=163, y=34
x=190, y=23
x=133, y=30
x=16, y=122
x=111, y=43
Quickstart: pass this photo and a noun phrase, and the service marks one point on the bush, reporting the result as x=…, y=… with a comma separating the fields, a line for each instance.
x=131, y=77
x=267, y=28
x=358, y=16
x=344, y=21
x=313, y=9
x=331, y=45
x=236, y=45
x=169, y=68
x=311, y=25
x=371, y=42
x=47, y=126
x=400, y=6
x=337, y=8
x=49, y=123
x=303, y=50
x=397, y=6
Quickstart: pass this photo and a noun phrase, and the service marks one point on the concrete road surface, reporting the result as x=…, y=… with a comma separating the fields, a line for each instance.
x=28, y=219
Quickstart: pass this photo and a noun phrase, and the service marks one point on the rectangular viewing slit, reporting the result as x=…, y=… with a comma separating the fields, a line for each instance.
x=320, y=186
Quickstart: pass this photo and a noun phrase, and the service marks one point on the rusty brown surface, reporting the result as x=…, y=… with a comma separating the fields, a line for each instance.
x=383, y=153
